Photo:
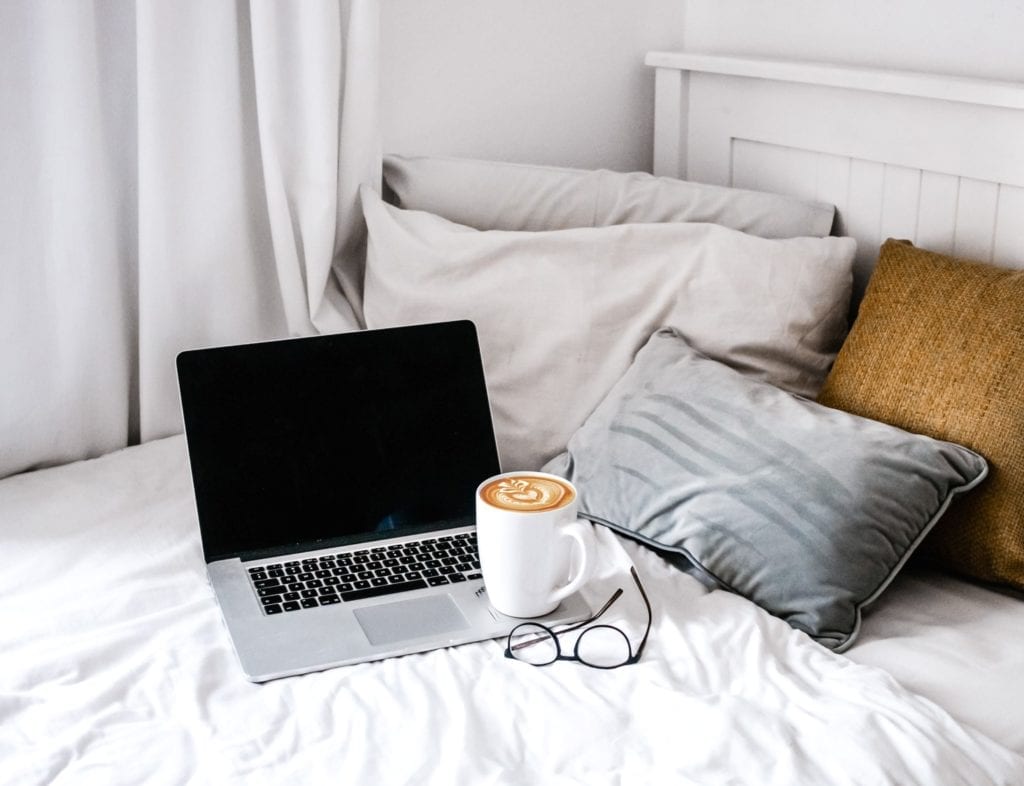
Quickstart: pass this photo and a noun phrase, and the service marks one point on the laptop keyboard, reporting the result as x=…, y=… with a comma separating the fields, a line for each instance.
x=365, y=573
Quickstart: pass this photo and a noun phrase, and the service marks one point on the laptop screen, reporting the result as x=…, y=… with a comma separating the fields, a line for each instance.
x=316, y=442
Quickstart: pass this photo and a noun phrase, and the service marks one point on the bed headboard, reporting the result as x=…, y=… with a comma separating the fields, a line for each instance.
x=935, y=159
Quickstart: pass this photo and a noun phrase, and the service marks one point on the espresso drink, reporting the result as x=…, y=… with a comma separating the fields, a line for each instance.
x=527, y=493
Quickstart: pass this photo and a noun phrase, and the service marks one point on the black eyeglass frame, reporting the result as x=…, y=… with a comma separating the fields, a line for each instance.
x=553, y=634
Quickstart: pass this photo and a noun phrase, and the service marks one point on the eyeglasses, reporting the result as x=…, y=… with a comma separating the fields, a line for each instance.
x=600, y=647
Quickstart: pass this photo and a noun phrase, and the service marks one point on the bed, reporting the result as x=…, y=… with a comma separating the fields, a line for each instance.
x=115, y=664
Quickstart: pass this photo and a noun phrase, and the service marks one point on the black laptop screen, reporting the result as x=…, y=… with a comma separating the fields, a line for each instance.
x=336, y=439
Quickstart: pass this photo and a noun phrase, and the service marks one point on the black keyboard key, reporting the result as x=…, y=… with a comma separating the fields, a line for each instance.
x=307, y=593
x=475, y=576
x=447, y=570
x=271, y=600
x=396, y=579
x=327, y=600
x=386, y=589
x=266, y=583
x=430, y=573
x=455, y=578
x=437, y=581
x=304, y=576
x=275, y=573
x=269, y=591
x=378, y=582
x=310, y=603
x=273, y=608
x=362, y=584
x=332, y=581
x=464, y=566
x=291, y=596
x=413, y=574
x=314, y=583
x=296, y=586
x=292, y=605
x=345, y=587
x=322, y=574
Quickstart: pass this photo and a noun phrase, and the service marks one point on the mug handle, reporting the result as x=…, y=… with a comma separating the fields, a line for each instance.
x=581, y=534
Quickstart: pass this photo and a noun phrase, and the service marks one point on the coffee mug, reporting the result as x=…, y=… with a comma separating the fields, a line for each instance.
x=527, y=534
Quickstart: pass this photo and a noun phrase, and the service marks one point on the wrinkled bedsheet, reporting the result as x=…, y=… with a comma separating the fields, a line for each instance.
x=115, y=668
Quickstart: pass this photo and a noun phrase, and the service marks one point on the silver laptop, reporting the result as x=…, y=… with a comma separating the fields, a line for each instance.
x=334, y=479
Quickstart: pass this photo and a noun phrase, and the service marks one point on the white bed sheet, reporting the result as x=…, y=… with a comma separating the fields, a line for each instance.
x=955, y=642
x=115, y=669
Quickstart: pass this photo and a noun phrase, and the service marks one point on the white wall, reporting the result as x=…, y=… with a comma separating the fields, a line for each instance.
x=539, y=81
x=562, y=81
x=981, y=38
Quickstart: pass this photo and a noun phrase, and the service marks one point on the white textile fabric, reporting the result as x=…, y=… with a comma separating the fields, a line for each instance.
x=115, y=668
x=173, y=175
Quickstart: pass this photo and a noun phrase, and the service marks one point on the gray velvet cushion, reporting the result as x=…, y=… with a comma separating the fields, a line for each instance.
x=805, y=510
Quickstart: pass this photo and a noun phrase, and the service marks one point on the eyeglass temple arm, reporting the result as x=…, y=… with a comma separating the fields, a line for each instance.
x=650, y=613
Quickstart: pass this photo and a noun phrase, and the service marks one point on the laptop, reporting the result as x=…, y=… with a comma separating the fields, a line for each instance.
x=334, y=480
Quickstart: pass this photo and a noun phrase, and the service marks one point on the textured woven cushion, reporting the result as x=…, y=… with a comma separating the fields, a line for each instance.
x=938, y=348
x=560, y=314
x=805, y=510
x=499, y=195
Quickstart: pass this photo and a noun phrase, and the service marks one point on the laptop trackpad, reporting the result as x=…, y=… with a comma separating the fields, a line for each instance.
x=410, y=619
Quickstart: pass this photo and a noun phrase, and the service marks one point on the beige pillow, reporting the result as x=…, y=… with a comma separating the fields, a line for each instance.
x=561, y=314
x=938, y=349
x=499, y=195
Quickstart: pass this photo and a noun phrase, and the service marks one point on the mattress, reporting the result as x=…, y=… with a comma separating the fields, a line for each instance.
x=115, y=668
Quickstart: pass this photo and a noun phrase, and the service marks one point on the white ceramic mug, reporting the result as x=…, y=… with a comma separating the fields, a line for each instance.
x=533, y=551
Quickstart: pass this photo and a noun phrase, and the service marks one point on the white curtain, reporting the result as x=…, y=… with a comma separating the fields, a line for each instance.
x=172, y=175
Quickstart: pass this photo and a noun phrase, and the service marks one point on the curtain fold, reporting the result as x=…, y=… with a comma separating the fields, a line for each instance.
x=174, y=175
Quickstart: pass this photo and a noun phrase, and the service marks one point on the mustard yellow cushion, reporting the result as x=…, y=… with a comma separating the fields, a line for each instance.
x=938, y=349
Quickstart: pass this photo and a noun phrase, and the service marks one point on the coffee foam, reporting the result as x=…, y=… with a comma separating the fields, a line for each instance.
x=529, y=493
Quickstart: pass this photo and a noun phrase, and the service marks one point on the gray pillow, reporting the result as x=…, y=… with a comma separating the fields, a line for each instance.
x=525, y=197
x=805, y=510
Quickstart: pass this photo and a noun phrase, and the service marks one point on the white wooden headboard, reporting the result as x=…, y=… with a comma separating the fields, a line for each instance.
x=938, y=160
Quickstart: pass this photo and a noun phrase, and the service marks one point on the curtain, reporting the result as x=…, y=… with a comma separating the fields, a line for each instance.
x=172, y=175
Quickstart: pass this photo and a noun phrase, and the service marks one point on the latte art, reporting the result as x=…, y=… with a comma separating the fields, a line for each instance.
x=527, y=493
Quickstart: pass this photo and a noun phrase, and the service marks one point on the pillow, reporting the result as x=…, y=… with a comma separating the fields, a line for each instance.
x=805, y=510
x=561, y=314
x=938, y=348
x=496, y=195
